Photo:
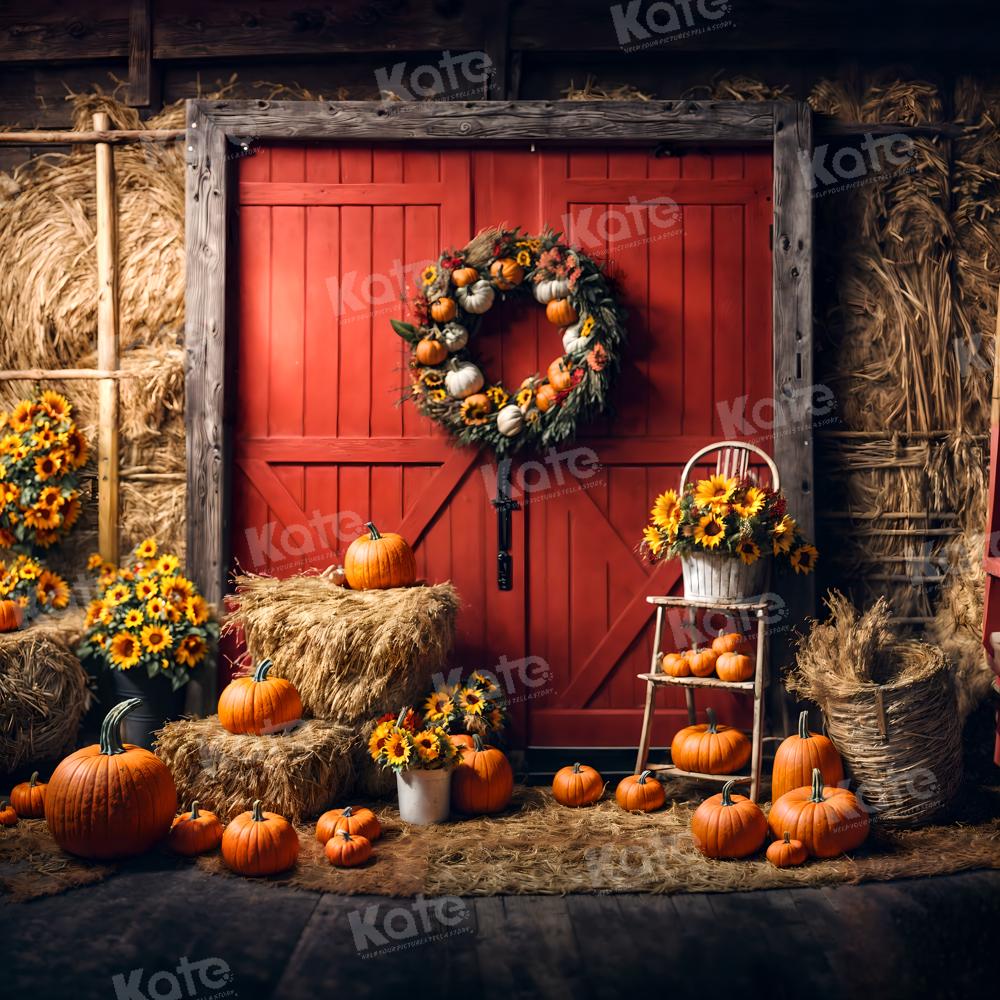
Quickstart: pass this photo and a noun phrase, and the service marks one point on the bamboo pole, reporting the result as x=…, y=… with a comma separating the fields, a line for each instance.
x=107, y=346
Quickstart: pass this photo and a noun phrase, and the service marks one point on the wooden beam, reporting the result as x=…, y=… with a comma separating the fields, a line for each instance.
x=41, y=137
x=60, y=374
x=140, y=52
x=107, y=346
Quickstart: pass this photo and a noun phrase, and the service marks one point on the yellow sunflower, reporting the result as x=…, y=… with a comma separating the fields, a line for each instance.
x=118, y=594
x=752, y=502
x=196, y=609
x=804, y=558
x=76, y=448
x=664, y=507
x=428, y=745
x=125, y=650
x=783, y=536
x=524, y=396
x=50, y=497
x=167, y=564
x=497, y=396
x=483, y=681
x=133, y=618
x=471, y=701
x=523, y=258
x=29, y=570
x=146, y=549
x=653, y=540
x=437, y=395
x=145, y=589
x=157, y=638
x=438, y=706
x=588, y=326
x=475, y=409
x=709, y=531
x=44, y=438
x=397, y=749
x=56, y=406
x=714, y=491
x=93, y=613
x=9, y=443
x=748, y=550
x=21, y=417
x=192, y=650
x=156, y=608
x=46, y=466
x=429, y=275
x=176, y=589
x=379, y=738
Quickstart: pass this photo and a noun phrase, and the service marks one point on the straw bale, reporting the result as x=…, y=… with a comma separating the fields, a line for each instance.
x=298, y=773
x=352, y=655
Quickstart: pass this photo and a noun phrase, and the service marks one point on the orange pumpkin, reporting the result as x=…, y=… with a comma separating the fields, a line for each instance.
x=430, y=352
x=578, y=785
x=260, y=843
x=110, y=800
x=459, y=740
x=378, y=562
x=483, y=781
x=560, y=377
x=360, y=821
x=506, y=273
x=787, y=853
x=11, y=616
x=728, y=826
x=546, y=397
x=640, y=792
x=702, y=661
x=675, y=665
x=259, y=704
x=734, y=667
x=347, y=850
x=463, y=276
x=443, y=310
x=28, y=798
x=561, y=312
x=194, y=832
x=8, y=814
x=829, y=821
x=731, y=642
x=709, y=748
x=796, y=757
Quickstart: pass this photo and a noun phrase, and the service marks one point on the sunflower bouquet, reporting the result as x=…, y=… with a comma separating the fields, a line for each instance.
x=31, y=586
x=148, y=615
x=406, y=741
x=41, y=450
x=728, y=516
x=476, y=707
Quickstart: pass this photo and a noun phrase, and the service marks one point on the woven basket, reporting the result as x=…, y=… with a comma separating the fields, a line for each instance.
x=710, y=577
x=902, y=743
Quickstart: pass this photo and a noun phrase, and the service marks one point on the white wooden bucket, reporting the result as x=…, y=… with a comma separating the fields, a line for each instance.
x=424, y=796
x=712, y=577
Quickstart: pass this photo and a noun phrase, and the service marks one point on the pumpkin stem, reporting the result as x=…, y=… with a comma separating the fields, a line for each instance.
x=788, y=837
x=372, y=531
x=33, y=780
x=804, y=733
x=644, y=776
x=262, y=670
x=194, y=810
x=346, y=834
x=727, y=796
x=111, y=738
x=477, y=742
x=712, y=723
x=257, y=812
x=576, y=768
x=347, y=811
x=817, y=795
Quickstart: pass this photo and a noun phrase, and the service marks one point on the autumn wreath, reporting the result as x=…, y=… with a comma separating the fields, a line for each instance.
x=453, y=296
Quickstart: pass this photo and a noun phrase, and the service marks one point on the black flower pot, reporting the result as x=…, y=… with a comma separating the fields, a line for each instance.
x=160, y=704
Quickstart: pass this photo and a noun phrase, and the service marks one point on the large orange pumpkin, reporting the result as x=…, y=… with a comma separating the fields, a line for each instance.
x=545, y=397
x=110, y=800
x=731, y=642
x=195, y=832
x=260, y=843
x=11, y=616
x=377, y=562
x=710, y=748
x=259, y=704
x=829, y=821
x=561, y=312
x=506, y=273
x=578, y=785
x=798, y=755
x=728, y=826
x=28, y=798
x=483, y=781
x=640, y=792
x=347, y=850
x=360, y=821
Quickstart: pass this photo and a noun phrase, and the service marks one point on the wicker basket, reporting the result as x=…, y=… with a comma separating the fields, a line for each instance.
x=710, y=577
x=902, y=743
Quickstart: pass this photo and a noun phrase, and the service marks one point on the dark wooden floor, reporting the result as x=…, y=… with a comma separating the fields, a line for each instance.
x=920, y=938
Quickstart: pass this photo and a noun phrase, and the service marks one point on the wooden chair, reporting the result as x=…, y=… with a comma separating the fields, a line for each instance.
x=733, y=459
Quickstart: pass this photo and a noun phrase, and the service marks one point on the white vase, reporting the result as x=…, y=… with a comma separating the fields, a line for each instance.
x=712, y=577
x=424, y=796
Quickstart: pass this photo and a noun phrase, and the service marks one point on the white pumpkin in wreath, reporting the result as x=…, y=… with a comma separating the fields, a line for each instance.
x=454, y=336
x=475, y=298
x=463, y=379
x=510, y=420
x=574, y=340
x=553, y=288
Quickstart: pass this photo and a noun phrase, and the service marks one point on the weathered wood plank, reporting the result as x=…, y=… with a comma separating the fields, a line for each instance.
x=140, y=53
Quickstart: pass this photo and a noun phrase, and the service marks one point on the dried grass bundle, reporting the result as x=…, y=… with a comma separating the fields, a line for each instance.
x=593, y=91
x=351, y=654
x=297, y=774
x=33, y=865
x=43, y=691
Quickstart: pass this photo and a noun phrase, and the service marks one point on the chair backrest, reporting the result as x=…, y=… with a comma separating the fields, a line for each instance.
x=733, y=459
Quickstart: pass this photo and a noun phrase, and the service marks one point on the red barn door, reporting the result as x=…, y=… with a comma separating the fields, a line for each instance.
x=331, y=237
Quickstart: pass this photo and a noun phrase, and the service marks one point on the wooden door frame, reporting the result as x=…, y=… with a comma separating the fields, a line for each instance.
x=220, y=132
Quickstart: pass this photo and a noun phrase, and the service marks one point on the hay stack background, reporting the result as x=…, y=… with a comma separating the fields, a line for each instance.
x=43, y=691
x=297, y=774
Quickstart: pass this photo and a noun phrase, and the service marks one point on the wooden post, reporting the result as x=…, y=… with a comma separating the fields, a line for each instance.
x=107, y=346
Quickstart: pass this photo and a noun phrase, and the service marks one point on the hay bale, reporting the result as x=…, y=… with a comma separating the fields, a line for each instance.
x=43, y=691
x=352, y=654
x=297, y=773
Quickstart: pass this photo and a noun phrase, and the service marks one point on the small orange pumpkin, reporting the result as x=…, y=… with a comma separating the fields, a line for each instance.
x=360, y=821
x=734, y=667
x=463, y=276
x=443, y=310
x=560, y=377
x=348, y=850
x=702, y=661
x=798, y=755
x=459, y=740
x=709, y=748
x=483, y=781
x=787, y=853
x=675, y=665
x=259, y=704
x=260, y=843
x=640, y=792
x=506, y=273
x=194, y=832
x=8, y=814
x=578, y=785
x=11, y=616
x=546, y=397
x=560, y=312
x=378, y=562
x=731, y=642
x=28, y=798
x=728, y=826
x=829, y=821
x=430, y=352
